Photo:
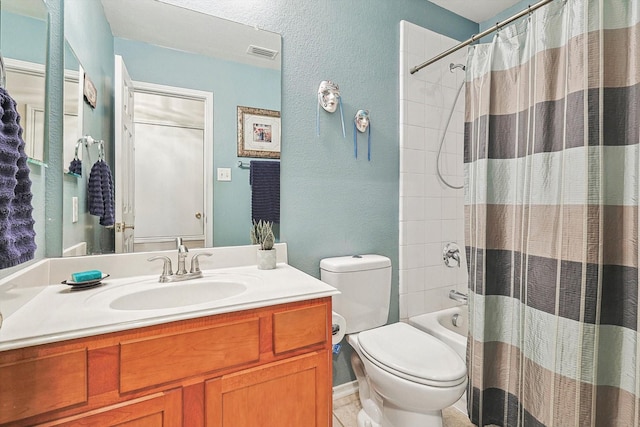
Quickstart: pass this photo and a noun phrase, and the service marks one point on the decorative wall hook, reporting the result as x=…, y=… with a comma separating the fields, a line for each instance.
x=362, y=124
x=329, y=98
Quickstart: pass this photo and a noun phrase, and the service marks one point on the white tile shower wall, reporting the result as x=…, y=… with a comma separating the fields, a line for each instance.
x=431, y=214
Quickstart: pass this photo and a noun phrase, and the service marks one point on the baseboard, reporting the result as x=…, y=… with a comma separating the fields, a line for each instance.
x=344, y=390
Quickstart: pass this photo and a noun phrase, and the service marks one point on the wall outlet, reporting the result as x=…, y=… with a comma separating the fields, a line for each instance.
x=74, y=209
x=224, y=174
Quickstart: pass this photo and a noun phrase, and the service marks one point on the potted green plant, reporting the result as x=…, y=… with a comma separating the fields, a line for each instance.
x=262, y=234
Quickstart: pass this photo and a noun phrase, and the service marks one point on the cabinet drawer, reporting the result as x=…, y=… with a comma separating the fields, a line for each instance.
x=152, y=361
x=293, y=329
x=36, y=386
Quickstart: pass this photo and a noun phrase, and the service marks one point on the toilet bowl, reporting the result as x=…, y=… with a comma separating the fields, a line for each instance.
x=405, y=376
x=414, y=375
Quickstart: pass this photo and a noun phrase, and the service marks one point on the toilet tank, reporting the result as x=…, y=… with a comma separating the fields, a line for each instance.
x=365, y=285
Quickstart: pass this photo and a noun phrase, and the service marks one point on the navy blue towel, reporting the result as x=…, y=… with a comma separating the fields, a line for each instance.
x=264, y=177
x=17, y=235
x=75, y=166
x=101, y=193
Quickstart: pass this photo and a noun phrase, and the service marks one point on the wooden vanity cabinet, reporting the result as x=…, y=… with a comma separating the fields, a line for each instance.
x=262, y=367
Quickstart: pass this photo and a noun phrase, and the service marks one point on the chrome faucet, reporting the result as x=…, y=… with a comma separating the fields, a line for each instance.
x=181, y=274
x=182, y=256
x=459, y=296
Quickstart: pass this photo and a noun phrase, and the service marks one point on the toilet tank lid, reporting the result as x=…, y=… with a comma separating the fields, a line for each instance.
x=346, y=264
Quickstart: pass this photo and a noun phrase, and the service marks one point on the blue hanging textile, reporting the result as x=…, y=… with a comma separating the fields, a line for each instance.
x=17, y=235
x=264, y=177
x=101, y=193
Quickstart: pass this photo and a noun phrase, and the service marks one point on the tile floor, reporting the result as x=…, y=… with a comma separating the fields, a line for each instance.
x=345, y=411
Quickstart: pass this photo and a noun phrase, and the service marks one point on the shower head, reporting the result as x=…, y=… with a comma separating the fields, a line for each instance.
x=453, y=66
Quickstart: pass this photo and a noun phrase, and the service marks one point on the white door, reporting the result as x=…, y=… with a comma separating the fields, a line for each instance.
x=173, y=153
x=124, y=159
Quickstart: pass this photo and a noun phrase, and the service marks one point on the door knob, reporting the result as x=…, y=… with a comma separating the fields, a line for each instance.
x=198, y=215
x=121, y=226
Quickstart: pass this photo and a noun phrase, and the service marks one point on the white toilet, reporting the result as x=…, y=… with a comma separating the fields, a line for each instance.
x=405, y=376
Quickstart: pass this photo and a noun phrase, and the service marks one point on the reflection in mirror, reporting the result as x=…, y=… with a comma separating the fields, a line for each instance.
x=202, y=57
x=25, y=67
x=172, y=128
x=73, y=241
x=23, y=44
x=25, y=83
x=72, y=106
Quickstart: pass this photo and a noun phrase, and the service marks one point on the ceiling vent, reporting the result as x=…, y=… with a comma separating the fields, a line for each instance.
x=262, y=52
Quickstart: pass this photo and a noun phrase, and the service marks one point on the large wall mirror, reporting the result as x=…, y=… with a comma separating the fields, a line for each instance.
x=188, y=72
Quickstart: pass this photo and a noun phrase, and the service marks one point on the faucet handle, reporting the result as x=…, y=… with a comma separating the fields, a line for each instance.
x=166, y=267
x=195, y=264
x=451, y=255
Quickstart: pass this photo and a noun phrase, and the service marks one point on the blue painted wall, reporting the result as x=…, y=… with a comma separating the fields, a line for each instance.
x=232, y=84
x=505, y=14
x=23, y=37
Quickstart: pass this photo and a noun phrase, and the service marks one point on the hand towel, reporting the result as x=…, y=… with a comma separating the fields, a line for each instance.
x=17, y=235
x=75, y=167
x=264, y=177
x=101, y=193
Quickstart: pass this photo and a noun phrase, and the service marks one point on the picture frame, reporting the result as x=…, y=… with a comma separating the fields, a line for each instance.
x=259, y=133
x=90, y=92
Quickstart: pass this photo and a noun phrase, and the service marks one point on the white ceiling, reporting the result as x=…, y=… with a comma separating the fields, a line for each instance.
x=159, y=23
x=476, y=10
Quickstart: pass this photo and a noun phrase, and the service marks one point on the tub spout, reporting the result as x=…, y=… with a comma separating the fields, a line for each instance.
x=458, y=296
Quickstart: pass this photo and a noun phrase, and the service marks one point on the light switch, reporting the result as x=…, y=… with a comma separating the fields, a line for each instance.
x=224, y=174
x=74, y=209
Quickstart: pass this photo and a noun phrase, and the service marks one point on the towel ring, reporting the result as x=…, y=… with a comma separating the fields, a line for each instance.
x=88, y=140
x=78, y=145
x=100, y=149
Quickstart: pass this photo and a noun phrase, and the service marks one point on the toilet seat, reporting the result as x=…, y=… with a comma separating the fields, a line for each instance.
x=414, y=355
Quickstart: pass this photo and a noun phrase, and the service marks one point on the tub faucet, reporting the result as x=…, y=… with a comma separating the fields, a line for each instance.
x=459, y=296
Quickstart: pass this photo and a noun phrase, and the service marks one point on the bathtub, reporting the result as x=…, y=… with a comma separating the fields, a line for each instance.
x=441, y=324
x=449, y=326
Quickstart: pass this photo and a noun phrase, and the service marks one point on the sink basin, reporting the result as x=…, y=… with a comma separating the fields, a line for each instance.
x=172, y=295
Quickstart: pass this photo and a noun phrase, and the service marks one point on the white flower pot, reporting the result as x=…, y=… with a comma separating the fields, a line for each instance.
x=266, y=259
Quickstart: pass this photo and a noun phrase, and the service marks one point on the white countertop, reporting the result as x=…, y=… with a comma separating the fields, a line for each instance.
x=57, y=313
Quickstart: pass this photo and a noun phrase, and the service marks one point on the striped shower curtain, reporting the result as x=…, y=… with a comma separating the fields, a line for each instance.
x=552, y=166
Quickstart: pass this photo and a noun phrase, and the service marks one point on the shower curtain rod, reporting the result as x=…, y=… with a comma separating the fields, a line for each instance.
x=475, y=37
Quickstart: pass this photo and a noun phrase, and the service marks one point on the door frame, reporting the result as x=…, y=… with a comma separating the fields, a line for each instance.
x=207, y=97
x=124, y=150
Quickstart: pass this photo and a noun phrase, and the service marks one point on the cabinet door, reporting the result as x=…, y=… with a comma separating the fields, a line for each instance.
x=293, y=392
x=157, y=410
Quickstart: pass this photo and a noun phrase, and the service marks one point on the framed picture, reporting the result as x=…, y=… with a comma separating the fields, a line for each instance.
x=90, y=92
x=258, y=133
